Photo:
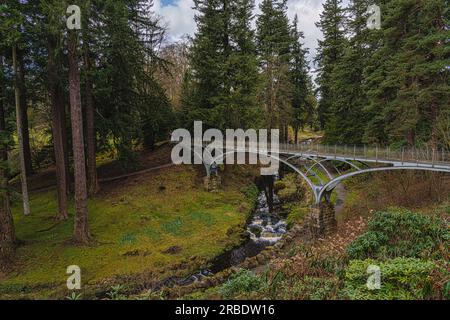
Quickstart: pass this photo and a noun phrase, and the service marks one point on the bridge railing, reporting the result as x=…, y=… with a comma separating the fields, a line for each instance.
x=405, y=155
x=409, y=155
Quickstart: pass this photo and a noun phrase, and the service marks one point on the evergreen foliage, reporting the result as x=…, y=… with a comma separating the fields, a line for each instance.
x=329, y=54
x=274, y=43
x=221, y=87
x=303, y=107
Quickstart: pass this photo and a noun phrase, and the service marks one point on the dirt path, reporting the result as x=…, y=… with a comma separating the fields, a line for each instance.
x=105, y=180
x=340, y=199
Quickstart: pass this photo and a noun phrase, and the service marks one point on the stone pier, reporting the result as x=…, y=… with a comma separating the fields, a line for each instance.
x=212, y=183
x=322, y=219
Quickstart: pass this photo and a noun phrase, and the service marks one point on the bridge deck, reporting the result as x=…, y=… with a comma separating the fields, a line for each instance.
x=411, y=159
x=398, y=158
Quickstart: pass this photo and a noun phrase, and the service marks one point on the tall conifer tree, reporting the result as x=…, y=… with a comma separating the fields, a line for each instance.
x=274, y=43
x=408, y=77
x=329, y=54
x=347, y=120
x=301, y=82
x=224, y=68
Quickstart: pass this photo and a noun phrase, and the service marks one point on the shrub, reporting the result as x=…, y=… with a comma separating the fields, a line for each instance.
x=251, y=191
x=296, y=214
x=368, y=244
x=326, y=264
x=401, y=278
x=290, y=188
x=279, y=185
x=319, y=288
x=446, y=291
x=402, y=234
x=242, y=282
x=74, y=296
x=117, y=292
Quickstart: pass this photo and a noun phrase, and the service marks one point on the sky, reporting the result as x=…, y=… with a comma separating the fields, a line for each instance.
x=179, y=18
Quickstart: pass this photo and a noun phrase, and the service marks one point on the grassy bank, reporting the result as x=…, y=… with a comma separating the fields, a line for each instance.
x=155, y=223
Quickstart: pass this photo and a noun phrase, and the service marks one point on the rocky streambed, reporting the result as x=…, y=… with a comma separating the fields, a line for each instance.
x=264, y=229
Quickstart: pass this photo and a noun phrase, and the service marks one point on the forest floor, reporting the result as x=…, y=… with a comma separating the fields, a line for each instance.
x=152, y=223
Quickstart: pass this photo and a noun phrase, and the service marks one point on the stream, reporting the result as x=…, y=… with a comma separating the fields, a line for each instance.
x=264, y=229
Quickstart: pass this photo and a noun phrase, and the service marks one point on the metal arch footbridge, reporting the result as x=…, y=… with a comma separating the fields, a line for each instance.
x=360, y=160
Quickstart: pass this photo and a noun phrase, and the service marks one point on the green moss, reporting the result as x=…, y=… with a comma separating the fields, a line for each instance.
x=295, y=197
x=132, y=226
x=296, y=214
x=128, y=238
x=251, y=191
x=318, y=176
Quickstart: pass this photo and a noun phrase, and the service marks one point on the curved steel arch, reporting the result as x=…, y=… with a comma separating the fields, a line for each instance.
x=315, y=163
x=333, y=183
x=341, y=160
x=315, y=175
x=313, y=187
x=363, y=163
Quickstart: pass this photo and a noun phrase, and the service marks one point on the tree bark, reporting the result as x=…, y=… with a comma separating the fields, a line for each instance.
x=58, y=123
x=66, y=147
x=23, y=171
x=81, y=228
x=24, y=115
x=93, y=185
x=286, y=133
x=434, y=115
x=7, y=232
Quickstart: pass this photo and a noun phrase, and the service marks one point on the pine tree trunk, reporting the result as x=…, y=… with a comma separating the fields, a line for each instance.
x=434, y=115
x=24, y=115
x=410, y=137
x=81, y=228
x=66, y=147
x=23, y=173
x=296, y=135
x=58, y=137
x=149, y=139
x=286, y=133
x=93, y=185
x=7, y=232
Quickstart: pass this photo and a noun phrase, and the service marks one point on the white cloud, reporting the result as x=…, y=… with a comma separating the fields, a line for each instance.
x=308, y=12
x=179, y=17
